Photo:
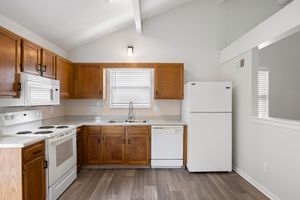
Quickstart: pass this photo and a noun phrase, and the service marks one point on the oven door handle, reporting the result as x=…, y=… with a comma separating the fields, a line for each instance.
x=54, y=140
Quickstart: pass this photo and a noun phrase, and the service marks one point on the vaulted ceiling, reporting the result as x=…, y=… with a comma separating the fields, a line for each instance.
x=71, y=23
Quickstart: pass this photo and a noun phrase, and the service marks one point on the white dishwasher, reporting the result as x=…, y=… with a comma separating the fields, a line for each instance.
x=166, y=146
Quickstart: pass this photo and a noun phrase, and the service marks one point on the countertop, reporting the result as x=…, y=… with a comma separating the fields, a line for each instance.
x=7, y=141
x=79, y=123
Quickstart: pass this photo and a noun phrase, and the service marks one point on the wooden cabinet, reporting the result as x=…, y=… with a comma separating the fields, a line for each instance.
x=36, y=60
x=113, y=144
x=138, y=145
x=48, y=64
x=168, y=81
x=94, y=145
x=79, y=145
x=31, y=58
x=64, y=73
x=117, y=145
x=89, y=81
x=34, y=187
x=34, y=179
x=10, y=45
x=22, y=172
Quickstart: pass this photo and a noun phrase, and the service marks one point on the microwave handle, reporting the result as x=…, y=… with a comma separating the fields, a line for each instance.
x=51, y=94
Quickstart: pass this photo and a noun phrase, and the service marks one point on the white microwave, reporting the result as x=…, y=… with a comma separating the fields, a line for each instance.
x=35, y=91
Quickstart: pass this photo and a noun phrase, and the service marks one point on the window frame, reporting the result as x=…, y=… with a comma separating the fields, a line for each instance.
x=125, y=105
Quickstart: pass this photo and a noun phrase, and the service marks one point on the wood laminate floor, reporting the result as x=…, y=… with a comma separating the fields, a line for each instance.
x=162, y=184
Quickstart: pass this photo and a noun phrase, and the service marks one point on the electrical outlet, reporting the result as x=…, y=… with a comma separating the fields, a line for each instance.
x=266, y=168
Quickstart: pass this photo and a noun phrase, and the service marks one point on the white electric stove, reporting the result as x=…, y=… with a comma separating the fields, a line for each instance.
x=60, y=152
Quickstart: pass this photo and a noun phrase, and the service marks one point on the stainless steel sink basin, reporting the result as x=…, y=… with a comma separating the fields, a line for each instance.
x=128, y=121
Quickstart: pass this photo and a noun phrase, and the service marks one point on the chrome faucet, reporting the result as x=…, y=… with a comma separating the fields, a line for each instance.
x=130, y=112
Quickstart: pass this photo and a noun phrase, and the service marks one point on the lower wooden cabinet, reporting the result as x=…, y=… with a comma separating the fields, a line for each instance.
x=34, y=179
x=138, y=145
x=34, y=184
x=79, y=145
x=117, y=145
x=113, y=144
x=22, y=173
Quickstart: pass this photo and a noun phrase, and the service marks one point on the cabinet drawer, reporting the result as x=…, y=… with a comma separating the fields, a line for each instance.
x=93, y=130
x=113, y=129
x=138, y=130
x=33, y=151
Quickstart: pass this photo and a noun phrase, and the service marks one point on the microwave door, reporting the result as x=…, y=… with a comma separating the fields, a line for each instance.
x=41, y=94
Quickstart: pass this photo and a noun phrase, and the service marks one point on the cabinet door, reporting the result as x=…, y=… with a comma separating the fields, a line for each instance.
x=34, y=179
x=79, y=145
x=48, y=64
x=94, y=145
x=169, y=81
x=90, y=81
x=64, y=73
x=94, y=149
x=138, y=145
x=31, y=58
x=113, y=144
x=10, y=45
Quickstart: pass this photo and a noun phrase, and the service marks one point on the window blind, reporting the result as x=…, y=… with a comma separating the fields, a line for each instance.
x=263, y=93
x=130, y=85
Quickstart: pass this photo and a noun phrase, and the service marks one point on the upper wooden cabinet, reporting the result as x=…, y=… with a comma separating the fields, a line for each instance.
x=48, y=64
x=37, y=61
x=168, y=81
x=89, y=81
x=31, y=58
x=64, y=73
x=9, y=63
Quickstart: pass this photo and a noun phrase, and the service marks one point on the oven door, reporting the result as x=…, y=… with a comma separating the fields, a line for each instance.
x=62, y=155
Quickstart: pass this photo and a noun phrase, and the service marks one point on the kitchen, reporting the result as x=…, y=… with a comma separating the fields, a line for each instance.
x=131, y=107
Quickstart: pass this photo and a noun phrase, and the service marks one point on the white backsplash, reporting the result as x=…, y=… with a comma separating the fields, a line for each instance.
x=101, y=107
x=48, y=111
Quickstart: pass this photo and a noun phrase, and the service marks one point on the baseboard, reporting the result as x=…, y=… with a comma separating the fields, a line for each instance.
x=257, y=185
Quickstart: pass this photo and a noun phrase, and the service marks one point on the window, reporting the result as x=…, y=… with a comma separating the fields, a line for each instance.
x=130, y=85
x=263, y=93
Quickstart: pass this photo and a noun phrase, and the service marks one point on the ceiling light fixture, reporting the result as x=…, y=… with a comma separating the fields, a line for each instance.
x=130, y=50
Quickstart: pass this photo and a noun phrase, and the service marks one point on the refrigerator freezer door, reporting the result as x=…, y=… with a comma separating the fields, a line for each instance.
x=210, y=97
x=209, y=142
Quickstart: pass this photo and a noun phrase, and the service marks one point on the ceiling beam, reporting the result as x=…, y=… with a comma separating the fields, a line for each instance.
x=137, y=15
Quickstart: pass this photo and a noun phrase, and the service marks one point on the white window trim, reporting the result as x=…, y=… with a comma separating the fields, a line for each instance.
x=118, y=106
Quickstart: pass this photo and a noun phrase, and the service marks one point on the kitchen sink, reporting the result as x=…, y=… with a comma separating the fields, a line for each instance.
x=129, y=121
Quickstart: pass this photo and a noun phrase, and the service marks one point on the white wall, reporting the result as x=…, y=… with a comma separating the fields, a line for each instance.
x=272, y=28
x=257, y=145
x=283, y=61
x=29, y=35
x=192, y=34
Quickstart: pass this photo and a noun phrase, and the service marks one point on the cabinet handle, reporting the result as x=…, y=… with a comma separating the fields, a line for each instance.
x=100, y=92
x=129, y=141
x=124, y=140
x=156, y=93
x=19, y=87
x=24, y=172
x=39, y=68
x=37, y=152
x=44, y=68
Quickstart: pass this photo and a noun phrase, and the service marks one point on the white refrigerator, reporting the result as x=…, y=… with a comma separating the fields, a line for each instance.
x=207, y=110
